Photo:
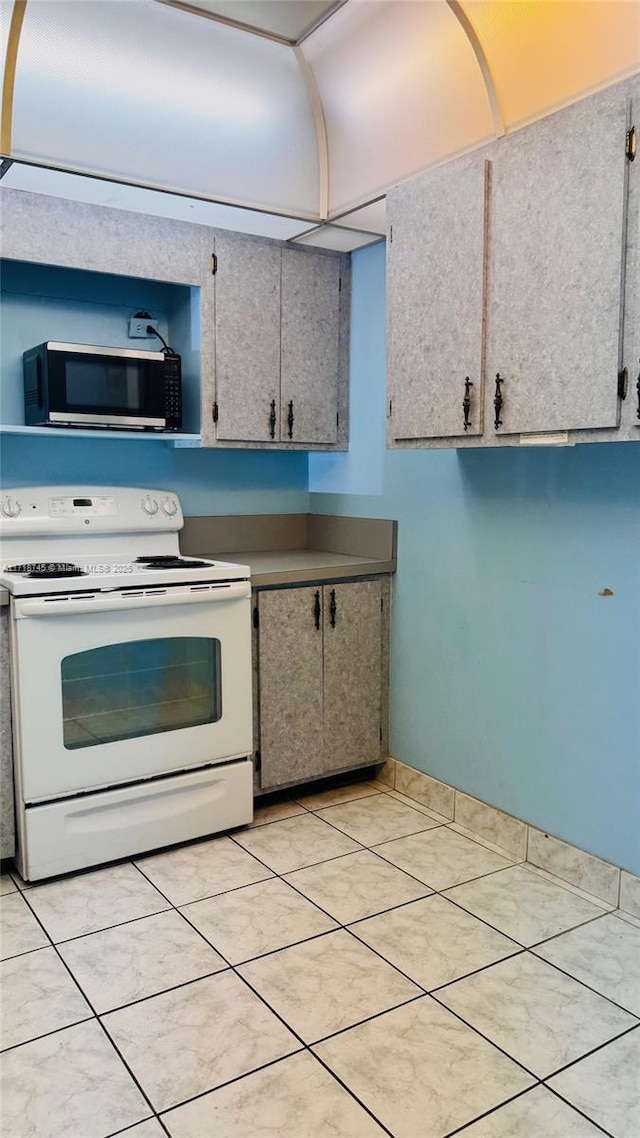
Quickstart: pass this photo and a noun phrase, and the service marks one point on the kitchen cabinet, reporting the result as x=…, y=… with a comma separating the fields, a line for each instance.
x=321, y=678
x=280, y=339
x=7, y=826
x=509, y=268
x=262, y=327
x=557, y=216
x=436, y=287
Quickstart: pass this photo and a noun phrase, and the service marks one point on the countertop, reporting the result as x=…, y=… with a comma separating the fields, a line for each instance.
x=293, y=566
x=290, y=549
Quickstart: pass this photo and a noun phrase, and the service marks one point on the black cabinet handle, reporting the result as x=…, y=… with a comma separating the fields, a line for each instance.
x=466, y=402
x=497, y=402
x=290, y=419
x=332, y=608
x=272, y=420
x=316, y=610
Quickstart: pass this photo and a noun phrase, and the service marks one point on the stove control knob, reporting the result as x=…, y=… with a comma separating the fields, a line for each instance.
x=10, y=507
x=149, y=505
x=170, y=506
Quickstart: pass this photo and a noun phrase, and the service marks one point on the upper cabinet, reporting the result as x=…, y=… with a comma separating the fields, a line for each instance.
x=511, y=286
x=557, y=211
x=435, y=298
x=281, y=328
x=247, y=339
x=262, y=327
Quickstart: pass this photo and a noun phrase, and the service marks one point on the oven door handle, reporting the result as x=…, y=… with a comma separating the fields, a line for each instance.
x=119, y=601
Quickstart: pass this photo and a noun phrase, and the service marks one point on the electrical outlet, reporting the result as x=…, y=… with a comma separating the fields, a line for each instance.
x=138, y=326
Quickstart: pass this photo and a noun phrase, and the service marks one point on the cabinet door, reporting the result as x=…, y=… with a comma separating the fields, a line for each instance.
x=310, y=340
x=435, y=301
x=290, y=656
x=247, y=349
x=352, y=673
x=555, y=256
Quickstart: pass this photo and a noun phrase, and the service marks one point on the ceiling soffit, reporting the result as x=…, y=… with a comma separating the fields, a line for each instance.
x=288, y=21
x=304, y=131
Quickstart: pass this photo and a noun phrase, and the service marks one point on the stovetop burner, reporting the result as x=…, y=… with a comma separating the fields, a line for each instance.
x=170, y=561
x=47, y=569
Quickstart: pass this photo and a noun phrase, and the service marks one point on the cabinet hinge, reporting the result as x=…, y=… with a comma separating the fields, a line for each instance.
x=337, y=418
x=381, y=604
x=258, y=762
x=380, y=732
x=630, y=144
x=256, y=617
x=390, y=407
x=214, y=412
x=623, y=383
x=339, y=284
x=391, y=235
x=214, y=264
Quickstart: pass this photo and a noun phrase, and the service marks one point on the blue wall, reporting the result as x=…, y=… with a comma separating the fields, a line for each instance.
x=206, y=481
x=512, y=678
x=40, y=303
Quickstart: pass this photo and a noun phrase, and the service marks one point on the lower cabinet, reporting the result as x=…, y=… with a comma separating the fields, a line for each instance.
x=321, y=654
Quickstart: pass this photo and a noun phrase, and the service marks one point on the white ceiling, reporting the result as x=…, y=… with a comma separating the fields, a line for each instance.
x=281, y=135
x=289, y=20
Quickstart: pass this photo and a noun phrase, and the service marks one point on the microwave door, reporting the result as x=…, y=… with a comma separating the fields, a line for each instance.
x=95, y=388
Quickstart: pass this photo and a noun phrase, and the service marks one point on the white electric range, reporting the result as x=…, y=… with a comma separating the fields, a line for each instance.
x=131, y=677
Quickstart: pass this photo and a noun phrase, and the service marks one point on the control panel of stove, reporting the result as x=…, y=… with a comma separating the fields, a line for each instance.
x=51, y=510
x=67, y=507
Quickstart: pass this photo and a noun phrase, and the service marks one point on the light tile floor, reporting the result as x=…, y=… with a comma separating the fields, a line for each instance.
x=350, y=966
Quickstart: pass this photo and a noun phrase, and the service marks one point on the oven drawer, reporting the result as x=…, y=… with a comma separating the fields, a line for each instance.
x=94, y=828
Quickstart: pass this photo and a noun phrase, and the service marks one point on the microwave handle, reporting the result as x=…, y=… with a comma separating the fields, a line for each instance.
x=119, y=602
x=39, y=380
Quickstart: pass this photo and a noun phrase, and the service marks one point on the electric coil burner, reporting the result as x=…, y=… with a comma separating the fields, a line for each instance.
x=131, y=687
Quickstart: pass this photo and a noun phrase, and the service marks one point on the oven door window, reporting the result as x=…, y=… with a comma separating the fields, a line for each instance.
x=141, y=687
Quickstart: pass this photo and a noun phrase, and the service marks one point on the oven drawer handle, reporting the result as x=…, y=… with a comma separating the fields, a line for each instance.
x=115, y=603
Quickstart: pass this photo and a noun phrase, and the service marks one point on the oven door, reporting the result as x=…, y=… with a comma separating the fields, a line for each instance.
x=114, y=687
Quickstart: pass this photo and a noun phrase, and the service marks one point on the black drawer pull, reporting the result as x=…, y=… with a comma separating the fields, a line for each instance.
x=316, y=609
x=498, y=401
x=333, y=608
x=466, y=402
x=290, y=419
x=272, y=420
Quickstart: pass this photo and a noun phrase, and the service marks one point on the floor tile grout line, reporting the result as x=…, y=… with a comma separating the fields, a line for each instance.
x=46, y=1034
x=127, y=1067
x=305, y=1046
x=420, y=995
x=122, y=1133
x=467, y=881
x=351, y=1093
x=569, y=976
x=97, y=1019
x=305, y=1049
x=569, y=886
x=488, y=1113
x=594, y=1050
x=539, y=1078
x=344, y=924
x=495, y=928
x=574, y=928
x=589, y=987
x=109, y=928
x=278, y=873
x=578, y=1110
